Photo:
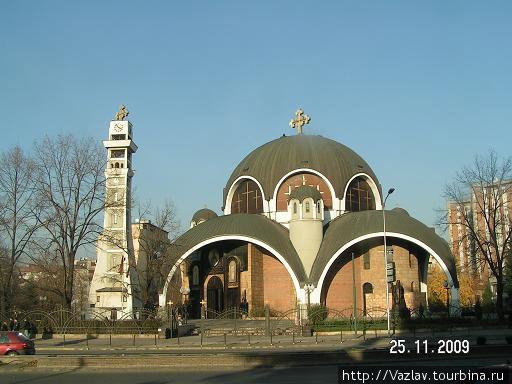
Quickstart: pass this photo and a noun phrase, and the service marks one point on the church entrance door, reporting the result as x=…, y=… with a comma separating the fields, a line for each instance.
x=214, y=297
x=233, y=298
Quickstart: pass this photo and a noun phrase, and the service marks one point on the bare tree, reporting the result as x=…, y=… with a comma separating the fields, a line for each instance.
x=18, y=215
x=152, y=241
x=71, y=190
x=481, y=196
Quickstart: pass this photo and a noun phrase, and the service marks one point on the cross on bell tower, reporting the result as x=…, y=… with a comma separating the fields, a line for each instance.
x=300, y=120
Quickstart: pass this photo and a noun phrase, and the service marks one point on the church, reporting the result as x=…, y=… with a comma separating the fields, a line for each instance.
x=303, y=223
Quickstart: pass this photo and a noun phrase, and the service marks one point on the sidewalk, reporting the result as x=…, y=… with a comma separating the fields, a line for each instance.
x=322, y=341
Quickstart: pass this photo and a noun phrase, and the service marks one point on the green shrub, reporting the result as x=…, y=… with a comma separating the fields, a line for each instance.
x=317, y=313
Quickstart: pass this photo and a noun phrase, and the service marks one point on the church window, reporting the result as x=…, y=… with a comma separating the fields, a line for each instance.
x=295, y=208
x=367, y=288
x=117, y=165
x=318, y=207
x=122, y=165
x=297, y=180
x=97, y=299
x=359, y=196
x=115, y=218
x=195, y=275
x=117, y=153
x=307, y=207
x=366, y=260
x=232, y=272
x=247, y=198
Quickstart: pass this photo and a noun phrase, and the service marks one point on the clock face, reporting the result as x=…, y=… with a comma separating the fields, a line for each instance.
x=118, y=127
x=214, y=257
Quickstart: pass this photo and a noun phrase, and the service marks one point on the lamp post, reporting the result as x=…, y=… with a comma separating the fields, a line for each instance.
x=390, y=191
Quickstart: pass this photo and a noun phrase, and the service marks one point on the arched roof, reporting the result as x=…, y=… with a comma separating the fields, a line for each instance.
x=353, y=225
x=275, y=159
x=257, y=227
x=305, y=191
x=203, y=214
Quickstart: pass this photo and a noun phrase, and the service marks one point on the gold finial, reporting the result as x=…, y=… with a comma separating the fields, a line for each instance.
x=300, y=120
x=122, y=113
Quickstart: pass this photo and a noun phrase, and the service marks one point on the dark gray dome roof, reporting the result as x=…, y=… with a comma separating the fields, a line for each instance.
x=353, y=225
x=257, y=227
x=273, y=160
x=305, y=191
x=203, y=214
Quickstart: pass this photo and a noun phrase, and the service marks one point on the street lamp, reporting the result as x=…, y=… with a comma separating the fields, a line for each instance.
x=390, y=191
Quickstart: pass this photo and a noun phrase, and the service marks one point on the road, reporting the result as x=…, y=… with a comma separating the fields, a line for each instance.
x=264, y=375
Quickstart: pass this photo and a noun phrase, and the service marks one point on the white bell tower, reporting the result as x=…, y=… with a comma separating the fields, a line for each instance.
x=115, y=286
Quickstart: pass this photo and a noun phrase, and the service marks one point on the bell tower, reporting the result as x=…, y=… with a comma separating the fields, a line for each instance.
x=114, y=286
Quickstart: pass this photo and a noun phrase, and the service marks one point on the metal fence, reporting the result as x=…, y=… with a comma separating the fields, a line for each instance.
x=63, y=321
x=267, y=322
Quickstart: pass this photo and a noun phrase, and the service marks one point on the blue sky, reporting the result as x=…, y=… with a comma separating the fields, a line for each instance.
x=416, y=88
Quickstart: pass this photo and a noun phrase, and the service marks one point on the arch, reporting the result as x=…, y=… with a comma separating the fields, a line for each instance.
x=214, y=295
x=304, y=170
x=233, y=188
x=295, y=280
x=247, y=198
x=419, y=243
x=371, y=183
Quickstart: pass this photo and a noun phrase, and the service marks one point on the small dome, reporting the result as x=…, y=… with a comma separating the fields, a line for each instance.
x=305, y=191
x=400, y=211
x=203, y=215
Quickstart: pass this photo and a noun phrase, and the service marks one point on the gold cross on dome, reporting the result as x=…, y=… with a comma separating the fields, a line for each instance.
x=300, y=120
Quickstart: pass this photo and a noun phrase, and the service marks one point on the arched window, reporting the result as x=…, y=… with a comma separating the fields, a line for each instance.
x=295, y=208
x=359, y=196
x=195, y=275
x=117, y=165
x=247, y=198
x=307, y=207
x=318, y=207
x=232, y=278
x=297, y=180
x=366, y=260
x=367, y=288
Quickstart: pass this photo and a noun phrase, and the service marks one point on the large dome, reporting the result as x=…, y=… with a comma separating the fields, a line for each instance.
x=273, y=160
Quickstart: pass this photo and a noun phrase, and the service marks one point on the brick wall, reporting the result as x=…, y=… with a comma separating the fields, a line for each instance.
x=339, y=283
x=338, y=292
x=278, y=289
x=255, y=296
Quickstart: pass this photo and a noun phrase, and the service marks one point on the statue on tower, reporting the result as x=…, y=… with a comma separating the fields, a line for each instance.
x=122, y=113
